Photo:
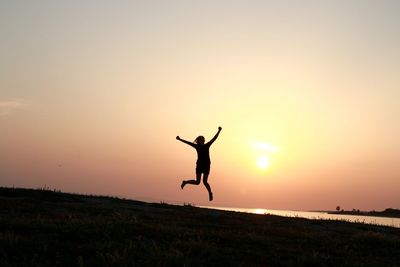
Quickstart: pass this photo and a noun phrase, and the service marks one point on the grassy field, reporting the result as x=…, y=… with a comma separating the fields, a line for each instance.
x=46, y=228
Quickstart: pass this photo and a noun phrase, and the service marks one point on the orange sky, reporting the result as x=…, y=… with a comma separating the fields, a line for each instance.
x=92, y=96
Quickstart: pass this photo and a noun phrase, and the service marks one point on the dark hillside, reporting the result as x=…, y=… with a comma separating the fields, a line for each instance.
x=47, y=228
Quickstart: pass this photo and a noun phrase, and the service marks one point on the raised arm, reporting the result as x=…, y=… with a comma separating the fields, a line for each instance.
x=184, y=141
x=215, y=137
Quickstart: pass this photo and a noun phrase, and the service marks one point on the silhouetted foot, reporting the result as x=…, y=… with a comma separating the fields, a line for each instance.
x=183, y=184
x=210, y=196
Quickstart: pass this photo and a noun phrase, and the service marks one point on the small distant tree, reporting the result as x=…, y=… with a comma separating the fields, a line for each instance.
x=338, y=208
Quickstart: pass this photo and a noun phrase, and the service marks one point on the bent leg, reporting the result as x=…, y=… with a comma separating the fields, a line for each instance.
x=205, y=182
x=195, y=182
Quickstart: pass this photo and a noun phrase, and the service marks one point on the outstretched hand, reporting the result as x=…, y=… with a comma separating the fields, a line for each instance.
x=178, y=138
x=219, y=128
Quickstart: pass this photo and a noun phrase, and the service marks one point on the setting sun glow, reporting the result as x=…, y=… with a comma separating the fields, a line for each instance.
x=265, y=151
x=263, y=162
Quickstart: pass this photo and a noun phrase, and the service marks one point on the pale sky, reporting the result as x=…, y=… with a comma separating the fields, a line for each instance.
x=93, y=94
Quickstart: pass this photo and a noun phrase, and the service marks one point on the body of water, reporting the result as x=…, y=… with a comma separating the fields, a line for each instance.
x=393, y=222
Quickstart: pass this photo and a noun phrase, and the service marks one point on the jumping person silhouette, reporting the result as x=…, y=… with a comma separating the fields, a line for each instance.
x=203, y=161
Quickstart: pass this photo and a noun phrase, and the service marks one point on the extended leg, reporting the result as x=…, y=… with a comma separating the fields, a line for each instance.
x=205, y=182
x=195, y=182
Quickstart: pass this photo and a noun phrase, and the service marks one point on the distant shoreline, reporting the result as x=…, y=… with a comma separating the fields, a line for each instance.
x=390, y=213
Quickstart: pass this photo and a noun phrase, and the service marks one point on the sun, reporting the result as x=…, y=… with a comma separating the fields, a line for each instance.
x=264, y=154
x=263, y=162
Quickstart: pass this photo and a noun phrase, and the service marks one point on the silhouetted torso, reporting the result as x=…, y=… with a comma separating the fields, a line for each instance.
x=203, y=153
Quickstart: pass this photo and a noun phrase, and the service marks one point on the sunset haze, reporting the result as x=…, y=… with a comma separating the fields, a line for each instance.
x=93, y=94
